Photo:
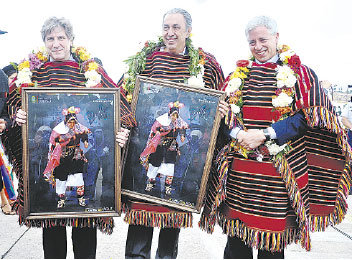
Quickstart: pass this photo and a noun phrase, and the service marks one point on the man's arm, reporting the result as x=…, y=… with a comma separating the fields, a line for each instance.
x=282, y=131
x=347, y=123
x=290, y=127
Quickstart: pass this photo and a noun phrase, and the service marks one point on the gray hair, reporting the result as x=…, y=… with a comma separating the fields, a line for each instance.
x=265, y=21
x=53, y=22
x=185, y=14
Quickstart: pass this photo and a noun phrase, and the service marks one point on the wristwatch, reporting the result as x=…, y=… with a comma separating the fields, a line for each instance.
x=266, y=134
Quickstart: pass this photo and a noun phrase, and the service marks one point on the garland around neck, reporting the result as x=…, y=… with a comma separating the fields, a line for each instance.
x=136, y=65
x=282, y=101
x=37, y=58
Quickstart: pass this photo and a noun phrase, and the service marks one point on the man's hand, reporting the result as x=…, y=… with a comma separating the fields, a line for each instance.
x=21, y=117
x=122, y=136
x=251, y=138
x=2, y=125
x=224, y=108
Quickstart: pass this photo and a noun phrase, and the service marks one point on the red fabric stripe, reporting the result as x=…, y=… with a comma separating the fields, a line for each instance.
x=257, y=113
x=150, y=207
x=320, y=209
x=325, y=162
x=302, y=181
x=270, y=65
x=258, y=222
x=266, y=168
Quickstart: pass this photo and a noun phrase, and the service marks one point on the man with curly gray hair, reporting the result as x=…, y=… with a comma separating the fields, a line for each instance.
x=63, y=67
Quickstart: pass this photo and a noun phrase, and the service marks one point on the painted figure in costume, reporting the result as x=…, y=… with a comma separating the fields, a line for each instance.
x=66, y=158
x=162, y=148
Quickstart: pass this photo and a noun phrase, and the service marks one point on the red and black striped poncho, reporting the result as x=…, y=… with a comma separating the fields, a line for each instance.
x=171, y=67
x=56, y=74
x=272, y=204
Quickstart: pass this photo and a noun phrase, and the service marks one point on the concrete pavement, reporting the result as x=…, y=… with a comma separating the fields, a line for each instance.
x=23, y=243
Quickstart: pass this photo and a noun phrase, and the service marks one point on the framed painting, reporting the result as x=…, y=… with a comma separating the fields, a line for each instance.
x=71, y=160
x=170, y=150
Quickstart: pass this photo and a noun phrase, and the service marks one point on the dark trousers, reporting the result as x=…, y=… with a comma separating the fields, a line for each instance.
x=237, y=249
x=84, y=242
x=139, y=242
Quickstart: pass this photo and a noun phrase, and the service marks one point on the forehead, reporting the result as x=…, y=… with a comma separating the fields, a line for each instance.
x=259, y=32
x=171, y=19
x=57, y=31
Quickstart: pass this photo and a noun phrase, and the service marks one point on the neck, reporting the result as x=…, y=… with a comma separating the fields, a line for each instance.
x=273, y=59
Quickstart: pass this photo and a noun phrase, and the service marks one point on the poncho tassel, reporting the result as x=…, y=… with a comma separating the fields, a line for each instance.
x=270, y=241
x=160, y=220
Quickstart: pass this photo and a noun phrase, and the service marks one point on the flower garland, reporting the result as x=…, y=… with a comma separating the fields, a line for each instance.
x=37, y=58
x=282, y=100
x=136, y=64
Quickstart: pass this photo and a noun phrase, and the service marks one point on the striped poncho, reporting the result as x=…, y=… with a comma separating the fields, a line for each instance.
x=171, y=67
x=56, y=74
x=272, y=204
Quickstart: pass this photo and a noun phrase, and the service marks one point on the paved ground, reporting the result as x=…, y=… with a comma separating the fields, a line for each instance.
x=22, y=243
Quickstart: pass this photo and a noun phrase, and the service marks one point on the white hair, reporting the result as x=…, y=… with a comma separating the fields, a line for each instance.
x=185, y=14
x=53, y=22
x=265, y=21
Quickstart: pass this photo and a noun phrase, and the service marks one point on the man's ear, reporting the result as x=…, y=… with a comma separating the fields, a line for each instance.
x=189, y=30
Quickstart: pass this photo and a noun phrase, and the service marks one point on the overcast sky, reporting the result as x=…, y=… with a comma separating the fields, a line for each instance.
x=318, y=30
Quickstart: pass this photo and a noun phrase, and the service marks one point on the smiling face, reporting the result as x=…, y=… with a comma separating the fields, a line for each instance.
x=175, y=33
x=58, y=45
x=262, y=43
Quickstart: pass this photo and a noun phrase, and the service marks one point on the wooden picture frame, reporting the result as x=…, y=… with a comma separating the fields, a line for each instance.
x=183, y=149
x=70, y=137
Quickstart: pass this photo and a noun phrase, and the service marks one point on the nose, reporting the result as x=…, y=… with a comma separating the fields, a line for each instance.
x=257, y=45
x=170, y=31
x=56, y=42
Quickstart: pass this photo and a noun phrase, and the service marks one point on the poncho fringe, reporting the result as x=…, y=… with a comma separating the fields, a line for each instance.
x=160, y=220
x=276, y=241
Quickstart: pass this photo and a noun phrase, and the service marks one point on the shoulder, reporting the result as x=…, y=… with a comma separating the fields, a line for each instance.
x=3, y=76
x=210, y=58
x=4, y=85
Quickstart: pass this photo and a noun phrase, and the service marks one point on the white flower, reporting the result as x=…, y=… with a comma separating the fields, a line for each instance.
x=196, y=81
x=285, y=77
x=235, y=109
x=286, y=55
x=260, y=157
x=24, y=76
x=93, y=77
x=201, y=69
x=273, y=148
x=282, y=100
x=233, y=86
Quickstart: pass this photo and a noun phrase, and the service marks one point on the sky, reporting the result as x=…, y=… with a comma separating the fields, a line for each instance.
x=319, y=31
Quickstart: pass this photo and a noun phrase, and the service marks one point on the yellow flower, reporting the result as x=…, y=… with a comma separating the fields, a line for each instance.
x=42, y=56
x=84, y=56
x=129, y=98
x=238, y=74
x=24, y=64
x=82, y=52
x=93, y=66
x=244, y=69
